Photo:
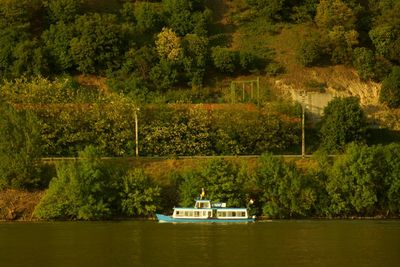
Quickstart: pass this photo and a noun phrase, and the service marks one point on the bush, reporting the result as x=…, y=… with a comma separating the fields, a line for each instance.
x=82, y=190
x=62, y=10
x=354, y=181
x=343, y=122
x=139, y=196
x=20, y=148
x=97, y=46
x=224, y=59
x=390, y=92
x=222, y=180
x=364, y=62
x=310, y=52
x=284, y=191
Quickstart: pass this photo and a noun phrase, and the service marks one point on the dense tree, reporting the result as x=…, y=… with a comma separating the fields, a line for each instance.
x=224, y=59
x=28, y=59
x=224, y=183
x=186, y=16
x=148, y=17
x=62, y=10
x=57, y=41
x=82, y=190
x=343, y=122
x=385, y=34
x=331, y=13
x=97, y=45
x=20, y=148
x=310, y=51
x=284, y=191
x=139, y=195
x=270, y=9
x=195, y=54
x=168, y=45
x=392, y=179
x=355, y=179
x=364, y=62
x=390, y=91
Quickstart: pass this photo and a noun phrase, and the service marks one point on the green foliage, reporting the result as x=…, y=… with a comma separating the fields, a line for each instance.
x=20, y=148
x=164, y=75
x=390, y=92
x=28, y=59
x=83, y=190
x=198, y=132
x=40, y=90
x=222, y=180
x=190, y=186
x=195, y=53
x=186, y=16
x=15, y=14
x=331, y=13
x=364, y=62
x=139, y=196
x=148, y=17
x=57, y=45
x=224, y=183
x=62, y=10
x=270, y=9
x=354, y=181
x=224, y=59
x=97, y=45
x=310, y=51
x=343, y=122
x=392, y=179
x=385, y=34
x=284, y=191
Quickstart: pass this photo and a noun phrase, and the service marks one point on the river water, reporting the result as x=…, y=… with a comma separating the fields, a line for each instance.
x=148, y=243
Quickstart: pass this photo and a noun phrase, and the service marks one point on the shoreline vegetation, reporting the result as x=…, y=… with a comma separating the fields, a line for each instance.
x=349, y=186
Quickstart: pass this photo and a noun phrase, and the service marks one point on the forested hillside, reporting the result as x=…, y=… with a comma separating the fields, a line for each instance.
x=147, y=47
x=205, y=78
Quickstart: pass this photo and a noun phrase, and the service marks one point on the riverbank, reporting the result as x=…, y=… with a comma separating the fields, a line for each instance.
x=18, y=205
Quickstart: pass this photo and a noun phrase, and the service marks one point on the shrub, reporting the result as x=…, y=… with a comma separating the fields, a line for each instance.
x=309, y=52
x=224, y=59
x=284, y=191
x=363, y=61
x=343, y=122
x=139, y=196
x=83, y=190
x=390, y=91
x=97, y=45
x=20, y=148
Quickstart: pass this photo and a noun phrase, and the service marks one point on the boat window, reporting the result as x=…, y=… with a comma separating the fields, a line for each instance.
x=243, y=214
x=233, y=213
x=209, y=214
x=221, y=214
x=197, y=214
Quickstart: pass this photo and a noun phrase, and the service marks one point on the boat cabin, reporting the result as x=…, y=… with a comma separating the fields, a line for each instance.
x=202, y=204
x=231, y=213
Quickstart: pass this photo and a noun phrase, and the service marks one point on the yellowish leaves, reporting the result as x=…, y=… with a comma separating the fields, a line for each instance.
x=168, y=45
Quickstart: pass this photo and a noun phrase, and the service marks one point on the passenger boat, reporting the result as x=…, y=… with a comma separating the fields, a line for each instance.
x=206, y=212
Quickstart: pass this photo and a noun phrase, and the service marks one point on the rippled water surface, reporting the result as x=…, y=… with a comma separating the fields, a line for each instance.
x=148, y=243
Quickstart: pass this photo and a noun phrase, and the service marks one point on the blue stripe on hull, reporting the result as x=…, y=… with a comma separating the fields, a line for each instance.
x=169, y=219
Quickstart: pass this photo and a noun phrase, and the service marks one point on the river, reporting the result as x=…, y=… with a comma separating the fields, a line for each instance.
x=148, y=243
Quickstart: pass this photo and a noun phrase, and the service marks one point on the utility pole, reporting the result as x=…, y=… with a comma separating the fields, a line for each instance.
x=303, y=134
x=136, y=133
